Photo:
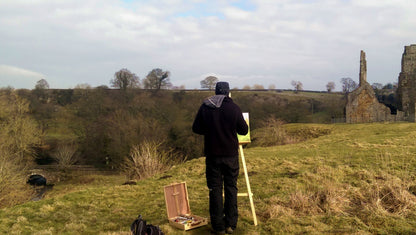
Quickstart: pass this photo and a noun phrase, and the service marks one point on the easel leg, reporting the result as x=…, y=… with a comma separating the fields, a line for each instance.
x=250, y=195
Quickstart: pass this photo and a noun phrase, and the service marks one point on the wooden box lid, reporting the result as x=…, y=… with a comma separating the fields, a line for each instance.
x=176, y=198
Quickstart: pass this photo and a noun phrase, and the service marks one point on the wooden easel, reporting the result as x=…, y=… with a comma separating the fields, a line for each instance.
x=249, y=193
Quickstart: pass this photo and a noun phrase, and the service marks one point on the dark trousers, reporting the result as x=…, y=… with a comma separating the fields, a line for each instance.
x=222, y=171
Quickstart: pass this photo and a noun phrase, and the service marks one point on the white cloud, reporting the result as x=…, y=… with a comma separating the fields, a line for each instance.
x=18, y=77
x=87, y=41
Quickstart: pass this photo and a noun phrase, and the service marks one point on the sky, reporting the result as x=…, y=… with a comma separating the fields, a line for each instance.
x=244, y=42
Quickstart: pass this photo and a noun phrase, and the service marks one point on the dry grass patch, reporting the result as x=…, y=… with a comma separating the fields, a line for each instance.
x=384, y=196
x=276, y=132
x=325, y=198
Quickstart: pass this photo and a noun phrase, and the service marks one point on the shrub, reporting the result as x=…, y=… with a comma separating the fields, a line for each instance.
x=272, y=133
x=66, y=155
x=13, y=189
x=18, y=135
x=147, y=159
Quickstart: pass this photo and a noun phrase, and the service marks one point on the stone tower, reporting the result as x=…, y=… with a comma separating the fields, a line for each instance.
x=407, y=83
x=363, y=68
x=362, y=104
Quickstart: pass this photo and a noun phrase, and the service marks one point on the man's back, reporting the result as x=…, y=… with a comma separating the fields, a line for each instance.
x=220, y=121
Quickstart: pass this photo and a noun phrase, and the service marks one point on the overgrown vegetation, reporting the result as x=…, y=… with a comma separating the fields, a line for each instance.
x=65, y=155
x=275, y=132
x=148, y=159
x=106, y=123
x=19, y=134
x=12, y=180
x=104, y=127
x=357, y=179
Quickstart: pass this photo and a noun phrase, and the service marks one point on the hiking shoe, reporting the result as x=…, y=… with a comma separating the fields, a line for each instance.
x=229, y=230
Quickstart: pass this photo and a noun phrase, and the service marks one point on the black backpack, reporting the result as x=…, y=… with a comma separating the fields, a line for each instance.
x=139, y=227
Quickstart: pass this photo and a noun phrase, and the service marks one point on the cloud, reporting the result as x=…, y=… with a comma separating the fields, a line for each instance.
x=18, y=77
x=258, y=41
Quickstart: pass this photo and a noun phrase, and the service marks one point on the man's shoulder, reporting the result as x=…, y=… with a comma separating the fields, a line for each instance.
x=228, y=100
x=230, y=104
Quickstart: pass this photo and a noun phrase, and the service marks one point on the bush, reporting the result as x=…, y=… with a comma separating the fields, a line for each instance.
x=147, y=159
x=13, y=189
x=66, y=155
x=19, y=134
x=272, y=133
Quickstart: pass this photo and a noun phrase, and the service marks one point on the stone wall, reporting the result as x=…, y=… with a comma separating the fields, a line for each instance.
x=406, y=91
x=362, y=104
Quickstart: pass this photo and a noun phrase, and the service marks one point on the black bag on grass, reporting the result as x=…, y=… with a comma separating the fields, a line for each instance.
x=139, y=227
x=153, y=230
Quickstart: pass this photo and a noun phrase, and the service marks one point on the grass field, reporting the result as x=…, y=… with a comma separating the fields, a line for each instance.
x=359, y=179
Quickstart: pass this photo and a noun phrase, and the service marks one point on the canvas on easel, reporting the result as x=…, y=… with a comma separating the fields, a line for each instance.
x=245, y=139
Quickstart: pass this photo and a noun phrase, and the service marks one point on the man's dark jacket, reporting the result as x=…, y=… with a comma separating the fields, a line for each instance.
x=219, y=119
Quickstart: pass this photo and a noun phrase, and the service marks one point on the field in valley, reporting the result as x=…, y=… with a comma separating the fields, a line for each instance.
x=357, y=179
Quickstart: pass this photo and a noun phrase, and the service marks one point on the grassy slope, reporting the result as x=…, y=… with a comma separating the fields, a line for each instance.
x=355, y=180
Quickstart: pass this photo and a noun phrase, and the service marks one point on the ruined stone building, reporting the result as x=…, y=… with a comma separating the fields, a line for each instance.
x=362, y=103
x=406, y=92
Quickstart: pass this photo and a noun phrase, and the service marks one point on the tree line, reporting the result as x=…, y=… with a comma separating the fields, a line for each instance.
x=104, y=123
x=158, y=79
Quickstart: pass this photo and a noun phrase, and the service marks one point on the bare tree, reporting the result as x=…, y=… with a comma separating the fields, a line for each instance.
x=209, y=82
x=330, y=86
x=19, y=133
x=157, y=79
x=66, y=155
x=42, y=85
x=124, y=79
x=348, y=85
x=83, y=86
x=40, y=91
x=272, y=87
x=258, y=87
x=297, y=85
x=389, y=86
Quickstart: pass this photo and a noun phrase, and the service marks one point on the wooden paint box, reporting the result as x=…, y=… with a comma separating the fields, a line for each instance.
x=177, y=206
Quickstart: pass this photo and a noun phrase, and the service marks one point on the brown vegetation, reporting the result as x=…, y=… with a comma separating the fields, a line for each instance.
x=275, y=132
x=18, y=135
x=148, y=159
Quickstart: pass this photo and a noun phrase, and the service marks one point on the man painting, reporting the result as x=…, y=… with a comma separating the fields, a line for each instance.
x=219, y=119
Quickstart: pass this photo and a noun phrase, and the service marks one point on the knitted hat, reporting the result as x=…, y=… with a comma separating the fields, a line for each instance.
x=222, y=88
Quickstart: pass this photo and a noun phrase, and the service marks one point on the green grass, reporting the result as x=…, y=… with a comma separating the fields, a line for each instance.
x=359, y=179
